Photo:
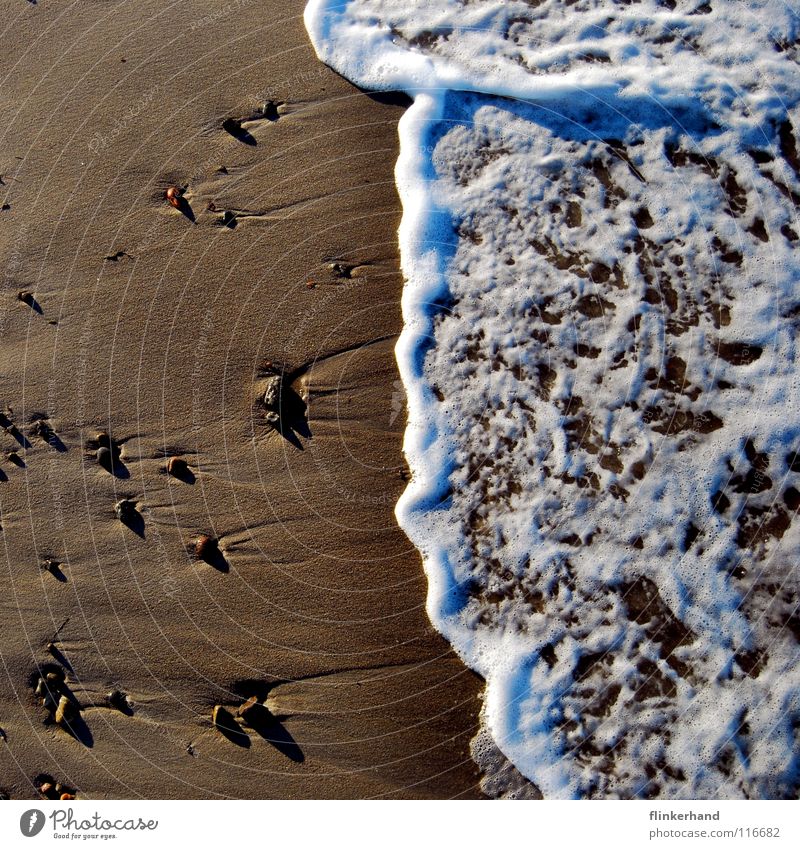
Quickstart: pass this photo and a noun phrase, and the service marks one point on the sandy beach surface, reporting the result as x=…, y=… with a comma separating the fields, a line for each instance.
x=162, y=327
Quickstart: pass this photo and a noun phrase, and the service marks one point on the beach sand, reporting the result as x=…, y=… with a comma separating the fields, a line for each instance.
x=158, y=325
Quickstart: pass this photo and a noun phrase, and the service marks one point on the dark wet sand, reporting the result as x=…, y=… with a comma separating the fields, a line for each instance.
x=157, y=329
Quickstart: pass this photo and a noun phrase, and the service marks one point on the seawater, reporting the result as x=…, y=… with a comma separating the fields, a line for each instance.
x=599, y=351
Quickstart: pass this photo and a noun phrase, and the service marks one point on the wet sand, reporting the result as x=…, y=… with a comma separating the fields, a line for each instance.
x=161, y=326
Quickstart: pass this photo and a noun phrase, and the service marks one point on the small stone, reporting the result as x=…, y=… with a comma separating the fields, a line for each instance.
x=125, y=510
x=272, y=399
x=104, y=456
x=222, y=718
x=247, y=707
x=272, y=392
x=117, y=699
x=43, y=430
x=14, y=458
x=174, y=195
x=177, y=466
x=341, y=270
x=46, y=788
x=54, y=680
x=66, y=797
x=59, y=788
x=25, y=297
x=206, y=547
x=51, y=566
x=66, y=711
x=270, y=110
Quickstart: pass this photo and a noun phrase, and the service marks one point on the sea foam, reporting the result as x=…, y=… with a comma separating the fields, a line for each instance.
x=601, y=311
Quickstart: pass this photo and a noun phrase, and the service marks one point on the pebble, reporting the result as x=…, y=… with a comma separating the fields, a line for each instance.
x=51, y=566
x=272, y=399
x=206, y=547
x=174, y=195
x=103, y=438
x=125, y=510
x=65, y=712
x=272, y=392
x=118, y=700
x=177, y=466
x=43, y=430
x=247, y=707
x=223, y=718
x=270, y=110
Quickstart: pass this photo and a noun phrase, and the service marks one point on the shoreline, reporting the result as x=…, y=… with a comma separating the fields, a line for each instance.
x=163, y=327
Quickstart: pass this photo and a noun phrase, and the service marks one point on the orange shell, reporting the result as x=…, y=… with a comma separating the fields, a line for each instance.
x=205, y=546
x=174, y=196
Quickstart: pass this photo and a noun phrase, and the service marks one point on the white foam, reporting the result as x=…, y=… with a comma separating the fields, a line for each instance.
x=600, y=320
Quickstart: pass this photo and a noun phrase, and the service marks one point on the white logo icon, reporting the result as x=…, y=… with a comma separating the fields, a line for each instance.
x=31, y=822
